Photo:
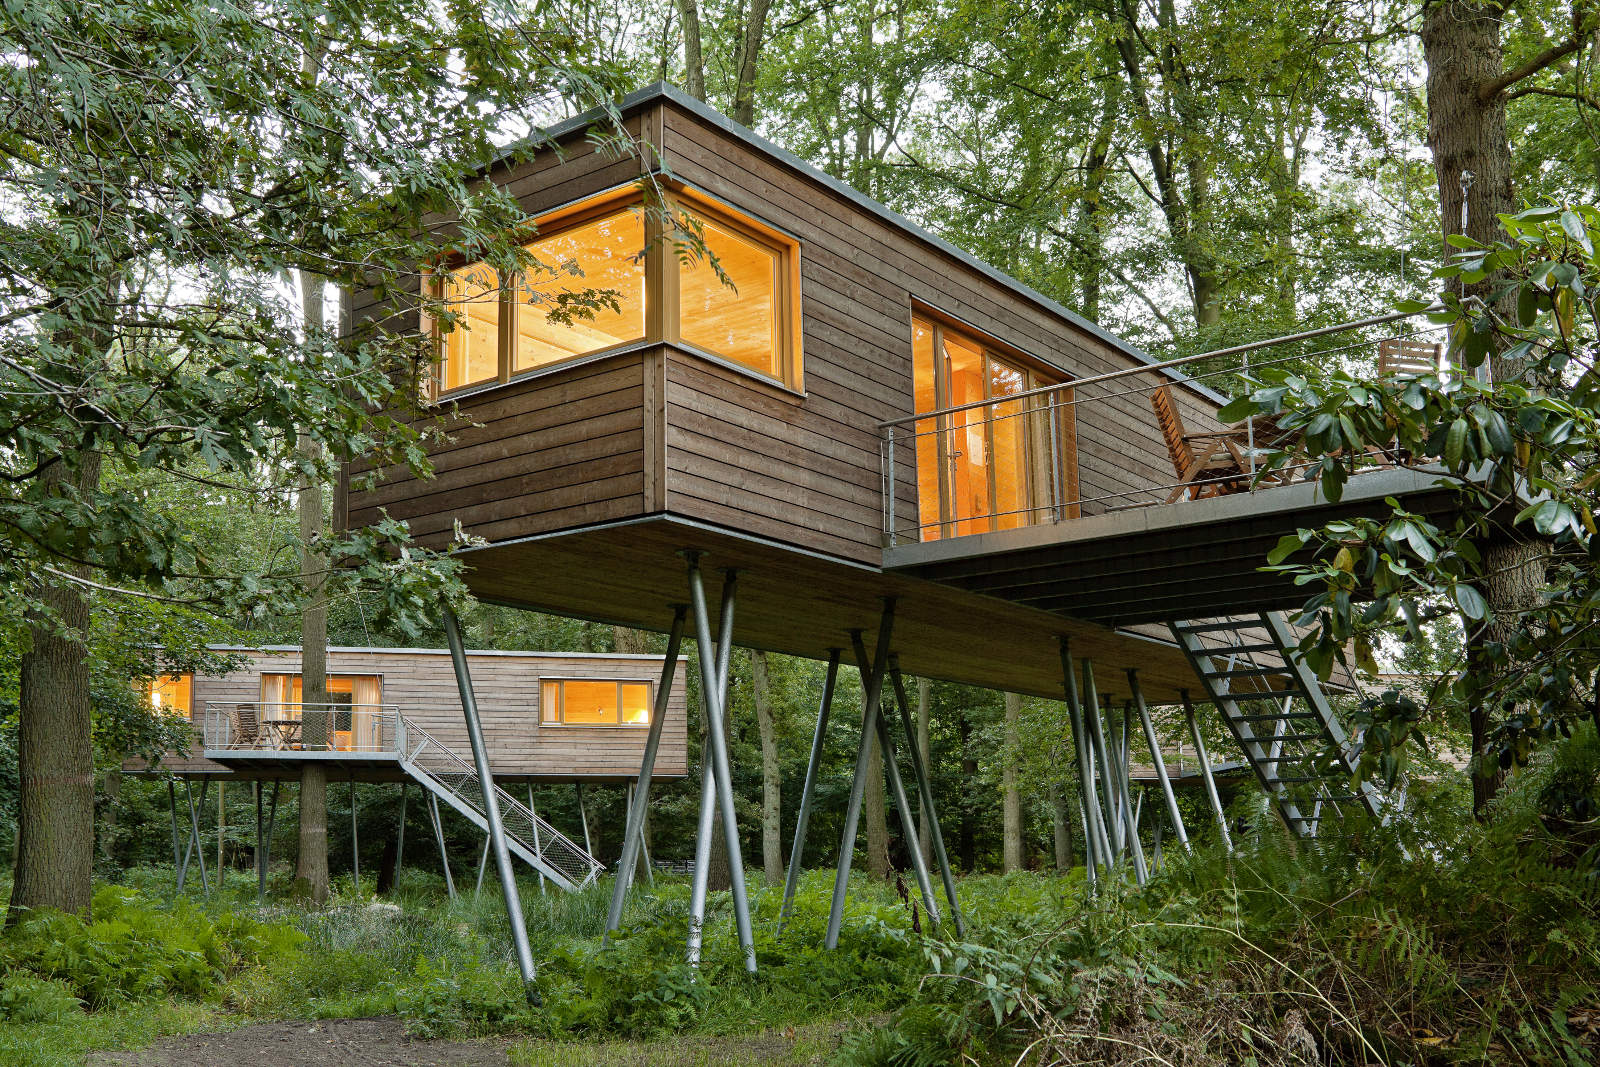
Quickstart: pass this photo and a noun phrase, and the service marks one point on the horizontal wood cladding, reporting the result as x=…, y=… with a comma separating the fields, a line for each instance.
x=422, y=686
x=860, y=275
x=563, y=448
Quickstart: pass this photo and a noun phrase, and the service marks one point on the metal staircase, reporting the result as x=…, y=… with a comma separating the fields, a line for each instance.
x=453, y=780
x=1279, y=714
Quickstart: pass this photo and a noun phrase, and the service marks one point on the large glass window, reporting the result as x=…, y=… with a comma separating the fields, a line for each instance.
x=998, y=464
x=171, y=693
x=350, y=719
x=742, y=323
x=589, y=296
x=593, y=702
x=603, y=281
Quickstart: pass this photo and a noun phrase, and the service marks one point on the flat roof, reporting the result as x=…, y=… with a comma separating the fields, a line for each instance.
x=663, y=91
x=357, y=649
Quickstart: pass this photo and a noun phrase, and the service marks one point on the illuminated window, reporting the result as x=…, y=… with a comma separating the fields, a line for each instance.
x=998, y=464
x=742, y=323
x=172, y=693
x=351, y=718
x=603, y=281
x=471, y=349
x=591, y=702
x=592, y=282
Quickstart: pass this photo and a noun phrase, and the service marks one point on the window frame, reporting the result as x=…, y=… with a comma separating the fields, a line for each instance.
x=662, y=311
x=1033, y=368
x=151, y=683
x=560, y=680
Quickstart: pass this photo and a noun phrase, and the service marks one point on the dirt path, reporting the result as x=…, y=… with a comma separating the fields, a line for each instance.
x=317, y=1043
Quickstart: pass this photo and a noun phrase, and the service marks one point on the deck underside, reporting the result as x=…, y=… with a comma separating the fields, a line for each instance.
x=1189, y=560
x=803, y=604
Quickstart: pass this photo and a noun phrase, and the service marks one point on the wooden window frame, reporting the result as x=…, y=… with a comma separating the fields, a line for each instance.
x=1032, y=368
x=662, y=314
x=155, y=680
x=560, y=721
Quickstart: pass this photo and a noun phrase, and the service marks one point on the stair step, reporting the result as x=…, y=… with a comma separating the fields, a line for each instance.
x=1237, y=649
x=1246, y=672
x=1215, y=627
x=1280, y=716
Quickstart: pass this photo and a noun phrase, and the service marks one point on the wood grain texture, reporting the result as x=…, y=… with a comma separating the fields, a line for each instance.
x=421, y=684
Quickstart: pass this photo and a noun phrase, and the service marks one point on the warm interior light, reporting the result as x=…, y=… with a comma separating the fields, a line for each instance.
x=472, y=347
x=741, y=323
x=599, y=267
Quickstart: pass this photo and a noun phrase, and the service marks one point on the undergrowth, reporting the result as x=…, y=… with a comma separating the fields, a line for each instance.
x=1442, y=942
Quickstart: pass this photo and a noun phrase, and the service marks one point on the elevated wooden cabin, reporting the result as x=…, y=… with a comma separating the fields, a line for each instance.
x=547, y=717
x=748, y=421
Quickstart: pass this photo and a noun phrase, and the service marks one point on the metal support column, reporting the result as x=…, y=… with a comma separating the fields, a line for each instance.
x=897, y=789
x=925, y=791
x=491, y=804
x=195, y=846
x=400, y=839
x=1130, y=809
x=852, y=814
x=261, y=833
x=438, y=837
x=355, y=838
x=583, y=817
x=483, y=865
x=1204, y=759
x=705, y=824
x=639, y=799
x=1160, y=762
x=791, y=880
x=1097, y=847
x=172, y=807
x=538, y=847
x=272, y=827
x=714, y=687
x=1097, y=737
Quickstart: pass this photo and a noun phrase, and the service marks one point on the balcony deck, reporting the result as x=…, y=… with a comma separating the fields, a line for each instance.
x=1185, y=560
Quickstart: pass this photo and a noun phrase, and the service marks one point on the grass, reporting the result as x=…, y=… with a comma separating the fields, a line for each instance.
x=793, y=1046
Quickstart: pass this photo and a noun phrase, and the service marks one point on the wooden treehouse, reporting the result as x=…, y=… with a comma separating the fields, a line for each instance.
x=393, y=715
x=873, y=434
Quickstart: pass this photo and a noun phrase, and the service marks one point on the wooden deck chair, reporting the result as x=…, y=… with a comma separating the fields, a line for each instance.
x=1400, y=357
x=246, y=726
x=1212, y=460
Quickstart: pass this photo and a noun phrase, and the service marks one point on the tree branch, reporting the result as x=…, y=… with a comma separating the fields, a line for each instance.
x=1551, y=55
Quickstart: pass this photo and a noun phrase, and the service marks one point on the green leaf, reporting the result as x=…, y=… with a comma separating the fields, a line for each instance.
x=1455, y=443
x=1237, y=409
x=1470, y=601
x=1287, y=546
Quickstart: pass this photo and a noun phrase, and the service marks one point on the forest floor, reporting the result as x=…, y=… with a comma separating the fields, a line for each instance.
x=384, y=1042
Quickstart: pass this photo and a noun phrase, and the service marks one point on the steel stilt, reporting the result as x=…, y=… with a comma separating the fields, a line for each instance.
x=438, y=837
x=716, y=702
x=1097, y=849
x=400, y=839
x=195, y=846
x=172, y=808
x=261, y=833
x=1167, y=794
x=791, y=880
x=272, y=827
x=925, y=791
x=1097, y=736
x=538, y=849
x=852, y=815
x=1204, y=759
x=583, y=817
x=491, y=803
x=707, y=821
x=639, y=799
x=483, y=865
x=355, y=839
x=1130, y=808
x=891, y=765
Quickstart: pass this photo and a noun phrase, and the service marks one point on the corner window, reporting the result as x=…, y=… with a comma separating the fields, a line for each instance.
x=171, y=693
x=593, y=702
x=601, y=275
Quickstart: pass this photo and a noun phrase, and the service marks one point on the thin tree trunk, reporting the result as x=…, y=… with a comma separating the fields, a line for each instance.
x=924, y=710
x=1061, y=826
x=629, y=641
x=1011, y=794
x=312, y=870
x=55, y=754
x=771, y=797
x=744, y=90
x=694, y=68
x=111, y=790
x=969, y=773
x=873, y=811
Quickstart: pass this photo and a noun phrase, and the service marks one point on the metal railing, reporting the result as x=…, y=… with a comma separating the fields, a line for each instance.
x=1012, y=461
x=450, y=774
x=268, y=726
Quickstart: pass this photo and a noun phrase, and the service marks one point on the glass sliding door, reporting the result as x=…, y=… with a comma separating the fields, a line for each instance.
x=999, y=464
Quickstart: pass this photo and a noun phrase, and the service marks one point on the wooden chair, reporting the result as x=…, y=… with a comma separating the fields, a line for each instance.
x=1207, y=464
x=1399, y=357
x=246, y=726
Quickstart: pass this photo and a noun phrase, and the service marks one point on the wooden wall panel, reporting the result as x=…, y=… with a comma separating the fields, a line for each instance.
x=422, y=685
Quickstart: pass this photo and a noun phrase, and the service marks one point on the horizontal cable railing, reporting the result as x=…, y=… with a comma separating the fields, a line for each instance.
x=459, y=778
x=268, y=726
x=1014, y=460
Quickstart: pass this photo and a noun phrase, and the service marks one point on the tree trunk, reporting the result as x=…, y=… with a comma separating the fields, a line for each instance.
x=744, y=90
x=969, y=773
x=629, y=641
x=1061, y=826
x=55, y=754
x=694, y=68
x=1467, y=134
x=873, y=811
x=1011, y=794
x=771, y=797
x=924, y=702
x=311, y=873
